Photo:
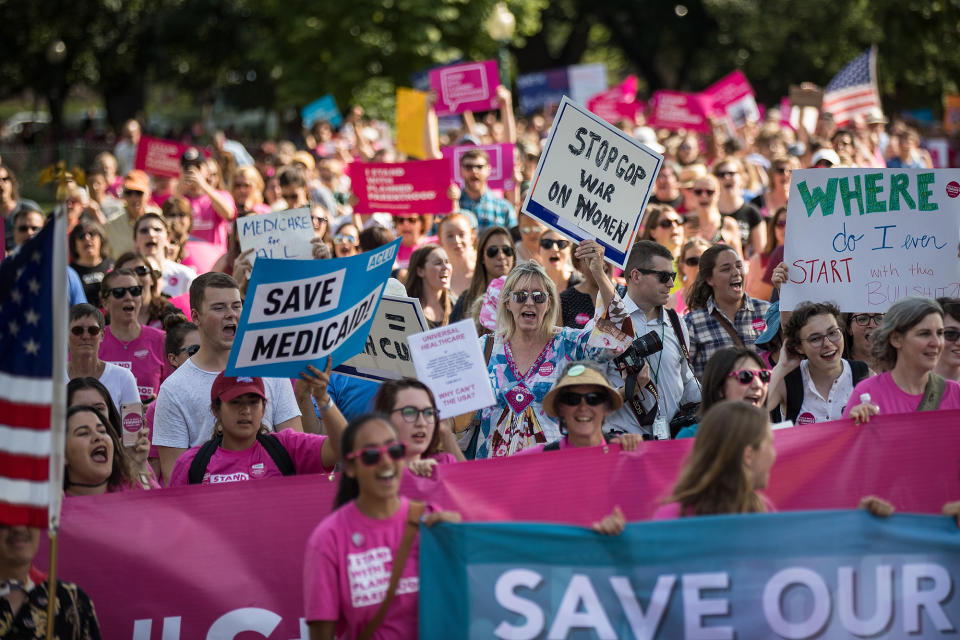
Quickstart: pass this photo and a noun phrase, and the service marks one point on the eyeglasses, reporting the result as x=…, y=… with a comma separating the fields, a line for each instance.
x=473, y=167
x=951, y=335
x=410, y=414
x=403, y=219
x=87, y=234
x=538, y=297
x=835, y=335
x=664, y=277
x=371, y=455
x=190, y=350
x=317, y=220
x=745, y=376
x=572, y=399
x=704, y=192
x=546, y=243
x=724, y=174
x=78, y=331
x=781, y=223
x=119, y=292
x=344, y=238
x=669, y=223
x=27, y=228
x=692, y=261
x=864, y=319
x=135, y=194
x=506, y=250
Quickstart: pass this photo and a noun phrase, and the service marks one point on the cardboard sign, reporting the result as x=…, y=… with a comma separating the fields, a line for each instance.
x=411, y=115
x=501, y=163
x=279, y=235
x=298, y=312
x=806, y=94
x=677, y=110
x=471, y=86
x=592, y=182
x=619, y=103
x=402, y=187
x=386, y=354
x=324, y=108
x=449, y=361
x=544, y=89
x=733, y=99
x=864, y=238
x=160, y=157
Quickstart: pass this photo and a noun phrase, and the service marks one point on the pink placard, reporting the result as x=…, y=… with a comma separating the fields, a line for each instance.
x=733, y=98
x=678, y=110
x=232, y=554
x=402, y=187
x=501, y=163
x=471, y=86
x=161, y=157
x=618, y=103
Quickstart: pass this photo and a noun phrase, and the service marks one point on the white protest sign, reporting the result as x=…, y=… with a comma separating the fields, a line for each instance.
x=281, y=235
x=386, y=355
x=593, y=181
x=449, y=361
x=864, y=238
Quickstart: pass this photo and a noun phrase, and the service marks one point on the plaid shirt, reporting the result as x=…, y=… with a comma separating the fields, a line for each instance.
x=489, y=210
x=707, y=335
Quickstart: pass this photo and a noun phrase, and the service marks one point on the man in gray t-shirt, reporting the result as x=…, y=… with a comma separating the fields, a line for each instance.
x=183, y=417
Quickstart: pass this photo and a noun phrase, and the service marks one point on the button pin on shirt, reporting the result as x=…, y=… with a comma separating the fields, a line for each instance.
x=357, y=539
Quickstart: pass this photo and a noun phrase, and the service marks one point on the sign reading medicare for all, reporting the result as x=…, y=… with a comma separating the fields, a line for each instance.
x=298, y=312
x=593, y=181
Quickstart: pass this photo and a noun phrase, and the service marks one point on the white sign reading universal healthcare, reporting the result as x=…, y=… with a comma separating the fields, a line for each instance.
x=593, y=181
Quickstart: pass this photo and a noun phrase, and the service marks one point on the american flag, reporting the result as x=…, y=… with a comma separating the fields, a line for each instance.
x=28, y=319
x=853, y=91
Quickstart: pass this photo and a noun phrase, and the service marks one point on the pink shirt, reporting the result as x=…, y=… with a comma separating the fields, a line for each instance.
x=885, y=393
x=671, y=510
x=442, y=457
x=201, y=255
x=207, y=223
x=254, y=463
x=143, y=357
x=347, y=568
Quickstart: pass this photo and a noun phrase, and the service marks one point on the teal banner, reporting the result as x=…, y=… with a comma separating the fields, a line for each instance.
x=822, y=574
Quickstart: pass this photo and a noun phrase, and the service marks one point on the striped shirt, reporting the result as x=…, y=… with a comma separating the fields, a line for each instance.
x=707, y=335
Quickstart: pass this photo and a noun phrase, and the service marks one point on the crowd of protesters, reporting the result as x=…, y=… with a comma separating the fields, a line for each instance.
x=157, y=282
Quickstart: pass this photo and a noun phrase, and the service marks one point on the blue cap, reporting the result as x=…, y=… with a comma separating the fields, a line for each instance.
x=772, y=318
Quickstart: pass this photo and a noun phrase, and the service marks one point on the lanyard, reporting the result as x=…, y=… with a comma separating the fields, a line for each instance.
x=656, y=375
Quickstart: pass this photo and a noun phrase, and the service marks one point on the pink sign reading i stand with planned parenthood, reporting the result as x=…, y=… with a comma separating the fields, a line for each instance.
x=471, y=86
x=402, y=187
x=678, y=110
x=160, y=157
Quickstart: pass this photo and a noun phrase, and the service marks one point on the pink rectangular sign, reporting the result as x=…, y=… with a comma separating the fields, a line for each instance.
x=733, y=98
x=224, y=561
x=501, y=163
x=402, y=187
x=471, y=86
x=160, y=157
x=678, y=110
x=618, y=103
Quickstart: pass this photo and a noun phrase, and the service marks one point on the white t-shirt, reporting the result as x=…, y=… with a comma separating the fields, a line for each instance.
x=176, y=278
x=119, y=382
x=816, y=408
x=183, y=416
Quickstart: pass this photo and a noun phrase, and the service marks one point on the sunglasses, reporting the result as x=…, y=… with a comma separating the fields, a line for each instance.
x=344, y=238
x=190, y=350
x=119, y=292
x=704, y=192
x=492, y=251
x=546, y=243
x=781, y=223
x=864, y=319
x=692, y=261
x=140, y=271
x=724, y=174
x=78, y=331
x=572, y=399
x=745, y=376
x=130, y=192
x=538, y=297
x=410, y=414
x=26, y=228
x=664, y=277
x=669, y=223
x=372, y=455
x=951, y=335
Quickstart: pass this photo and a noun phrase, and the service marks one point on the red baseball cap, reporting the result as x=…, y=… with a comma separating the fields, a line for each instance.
x=226, y=388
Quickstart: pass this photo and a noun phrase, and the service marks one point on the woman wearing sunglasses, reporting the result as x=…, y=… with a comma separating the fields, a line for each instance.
x=428, y=279
x=778, y=179
x=776, y=231
x=495, y=258
x=83, y=348
x=812, y=381
x=243, y=448
x=89, y=257
x=154, y=307
x=688, y=265
x=949, y=364
x=663, y=225
x=907, y=348
x=704, y=219
x=346, y=241
x=456, y=237
x=413, y=413
x=126, y=342
x=555, y=257
x=412, y=230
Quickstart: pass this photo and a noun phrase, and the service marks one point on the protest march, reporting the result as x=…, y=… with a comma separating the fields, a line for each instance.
x=542, y=357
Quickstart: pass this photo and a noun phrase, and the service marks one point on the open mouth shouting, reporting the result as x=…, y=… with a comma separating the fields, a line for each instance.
x=99, y=454
x=229, y=331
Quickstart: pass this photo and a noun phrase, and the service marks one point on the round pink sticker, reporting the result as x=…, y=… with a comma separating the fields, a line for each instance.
x=546, y=368
x=581, y=319
x=759, y=325
x=953, y=189
x=806, y=418
x=132, y=422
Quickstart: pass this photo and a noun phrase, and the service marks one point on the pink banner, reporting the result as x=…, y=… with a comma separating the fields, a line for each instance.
x=226, y=559
x=402, y=187
x=618, y=103
x=733, y=98
x=160, y=157
x=471, y=86
x=501, y=163
x=678, y=110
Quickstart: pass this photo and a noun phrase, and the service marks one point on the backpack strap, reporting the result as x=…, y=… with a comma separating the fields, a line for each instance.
x=677, y=329
x=198, y=467
x=793, y=384
x=278, y=453
x=553, y=446
x=721, y=319
x=933, y=393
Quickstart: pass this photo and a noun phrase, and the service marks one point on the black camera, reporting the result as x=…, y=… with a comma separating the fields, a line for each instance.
x=631, y=360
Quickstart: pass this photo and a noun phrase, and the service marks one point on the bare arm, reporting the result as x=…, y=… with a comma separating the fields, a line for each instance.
x=168, y=458
x=757, y=237
x=322, y=629
x=431, y=130
x=293, y=423
x=506, y=113
x=313, y=382
x=591, y=253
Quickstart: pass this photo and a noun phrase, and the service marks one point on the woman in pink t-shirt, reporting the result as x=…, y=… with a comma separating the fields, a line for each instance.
x=126, y=342
x=413, y=413
x=350, y=555
x=242, y=448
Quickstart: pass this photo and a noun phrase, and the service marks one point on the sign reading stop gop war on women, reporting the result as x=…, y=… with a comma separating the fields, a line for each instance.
x=279, y=235
x=592, y=182
x=864, y=238
x=386, y=354
x=402, y=187
x=160, y=157
x=470, y=86
x=449, y=361
x=298, y=312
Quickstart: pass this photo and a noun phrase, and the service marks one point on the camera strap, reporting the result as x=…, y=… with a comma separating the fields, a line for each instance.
x=644, y=418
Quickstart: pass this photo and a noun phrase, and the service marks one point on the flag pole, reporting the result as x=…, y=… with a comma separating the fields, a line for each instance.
x=58, y=405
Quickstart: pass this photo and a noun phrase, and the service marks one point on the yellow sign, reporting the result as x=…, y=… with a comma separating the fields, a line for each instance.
x=411, y=116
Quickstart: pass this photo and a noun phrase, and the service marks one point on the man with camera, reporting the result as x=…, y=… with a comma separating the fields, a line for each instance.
x=660, y=386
